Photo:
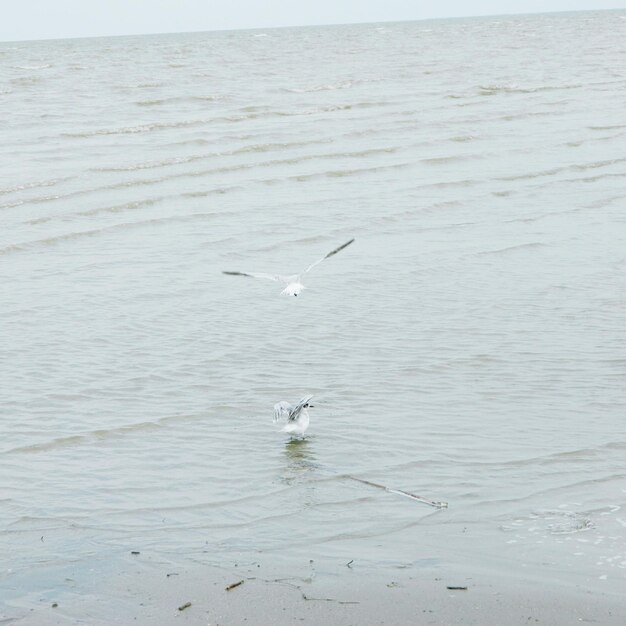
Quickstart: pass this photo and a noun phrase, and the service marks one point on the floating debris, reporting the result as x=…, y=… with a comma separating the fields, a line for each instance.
x=434, y=503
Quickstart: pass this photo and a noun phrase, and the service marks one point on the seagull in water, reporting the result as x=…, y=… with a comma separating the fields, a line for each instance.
x=297, y=417
x=293, y=285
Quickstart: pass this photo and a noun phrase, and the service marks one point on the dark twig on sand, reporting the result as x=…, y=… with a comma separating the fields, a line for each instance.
x=349, y=563
x=305, y=597
x=434, y=503
x=456, y=588
x=184, y=606
x=234, y=585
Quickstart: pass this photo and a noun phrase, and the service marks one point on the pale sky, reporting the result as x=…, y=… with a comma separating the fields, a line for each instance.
x=46, y=19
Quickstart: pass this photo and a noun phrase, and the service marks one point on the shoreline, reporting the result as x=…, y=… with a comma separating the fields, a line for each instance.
x=150, y=593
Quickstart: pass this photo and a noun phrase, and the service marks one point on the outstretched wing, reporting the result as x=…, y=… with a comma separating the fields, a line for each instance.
x=275, y=277
x=293, y=415
x=339, y=249
x=282, y=409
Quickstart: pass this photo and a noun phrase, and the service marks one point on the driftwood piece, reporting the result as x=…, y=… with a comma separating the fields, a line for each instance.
x=434, y=503
x=234, y=585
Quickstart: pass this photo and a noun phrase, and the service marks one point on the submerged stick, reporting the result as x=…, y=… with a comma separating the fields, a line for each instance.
x=433, y=503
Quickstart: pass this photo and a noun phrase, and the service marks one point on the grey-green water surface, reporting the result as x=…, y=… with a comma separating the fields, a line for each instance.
x=468, y=347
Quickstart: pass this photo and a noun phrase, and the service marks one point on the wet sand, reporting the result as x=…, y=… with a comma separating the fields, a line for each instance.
x=157, y=594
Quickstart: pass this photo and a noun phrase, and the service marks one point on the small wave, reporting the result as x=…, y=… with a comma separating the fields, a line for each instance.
x=463, y=138
x=530, y=175
x=468, y=182
x=196, y=141
x=211, y=504
x=209, y=192
x=613, y=127
x=270, y=147
x=567, y=456
x=27, y=523
x=269, y=113
x=125, y=185
x=580, y=167
x=255, y=147
x=551, y=522
x=527, y=114
x=119, y=208
x=596, y=164
x=74, y=440
x=35, y=184
x=235, y=118
x=489, y=90
x=521, y=246
x=95, y=436
x=150, y=103
x=450, y=159
x=59, y=442
x=579, y=142
x=614, y=445
x=26, y=80
x=81, y=192
x=149, y=164
x=178, y=99
x=50, y=241
x=32, y=67
x=341, y=173
x=272, y=247
x=344, y=84
x=234, y=168
x=594, y=179
x=141, y=128
x=255, y=108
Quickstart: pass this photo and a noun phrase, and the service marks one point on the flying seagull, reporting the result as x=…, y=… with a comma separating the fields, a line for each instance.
x=297, y=417
x=292, y=283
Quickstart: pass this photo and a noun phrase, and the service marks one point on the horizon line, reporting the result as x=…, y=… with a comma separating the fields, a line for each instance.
x=329, y=24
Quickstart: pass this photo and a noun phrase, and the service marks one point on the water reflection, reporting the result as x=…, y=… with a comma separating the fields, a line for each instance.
x=300, y=461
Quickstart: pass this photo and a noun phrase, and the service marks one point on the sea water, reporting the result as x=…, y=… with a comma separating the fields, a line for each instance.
x=468, y=347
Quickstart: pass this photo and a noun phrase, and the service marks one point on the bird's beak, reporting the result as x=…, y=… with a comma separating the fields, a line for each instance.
x=311, y=406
